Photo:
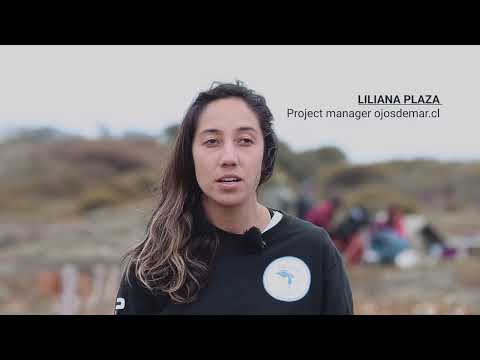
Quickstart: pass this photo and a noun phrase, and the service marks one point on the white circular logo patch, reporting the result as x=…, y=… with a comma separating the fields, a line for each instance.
x=287, y=279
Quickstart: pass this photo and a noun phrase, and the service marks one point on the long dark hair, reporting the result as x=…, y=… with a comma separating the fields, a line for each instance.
x=176, y=255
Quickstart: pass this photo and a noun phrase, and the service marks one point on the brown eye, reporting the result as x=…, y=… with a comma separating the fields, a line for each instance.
x=246, y=141
x=211, y=142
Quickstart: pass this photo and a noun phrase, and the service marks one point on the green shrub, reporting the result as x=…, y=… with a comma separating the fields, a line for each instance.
x=380, y=197
x=97, y=199
x=349, y=176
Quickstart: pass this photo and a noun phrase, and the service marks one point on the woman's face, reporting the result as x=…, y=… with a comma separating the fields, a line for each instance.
x=228, y=152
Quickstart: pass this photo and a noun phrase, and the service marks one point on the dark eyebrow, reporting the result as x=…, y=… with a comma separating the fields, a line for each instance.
x=210, y=131
x=216, y=131
x=246, y=128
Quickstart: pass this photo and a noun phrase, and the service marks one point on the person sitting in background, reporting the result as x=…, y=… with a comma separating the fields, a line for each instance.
x=389, y=238
x=322, y=214
x=346, y=235
x=395, y=221
x=435, y=243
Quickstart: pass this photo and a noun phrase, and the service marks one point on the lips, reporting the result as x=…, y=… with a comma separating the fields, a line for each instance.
x=226, y=179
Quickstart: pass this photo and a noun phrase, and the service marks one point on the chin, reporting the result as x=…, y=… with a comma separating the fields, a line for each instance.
x=227, y=200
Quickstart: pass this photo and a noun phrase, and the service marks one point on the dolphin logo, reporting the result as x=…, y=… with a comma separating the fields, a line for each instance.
x=286, y=274
x=287, y=279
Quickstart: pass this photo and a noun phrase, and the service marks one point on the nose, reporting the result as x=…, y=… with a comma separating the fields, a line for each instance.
x=229, y=155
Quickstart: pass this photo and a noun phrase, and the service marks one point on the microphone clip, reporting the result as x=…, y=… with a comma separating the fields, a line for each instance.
x=254, y=241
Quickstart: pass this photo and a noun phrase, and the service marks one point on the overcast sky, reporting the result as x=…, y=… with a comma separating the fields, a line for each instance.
x=146, y=88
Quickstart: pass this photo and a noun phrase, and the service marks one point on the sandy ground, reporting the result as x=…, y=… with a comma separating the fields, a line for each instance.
x=444, y=288
x=30, y=247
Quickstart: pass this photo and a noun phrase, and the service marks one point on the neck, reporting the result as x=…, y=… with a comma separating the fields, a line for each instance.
x=237, y=219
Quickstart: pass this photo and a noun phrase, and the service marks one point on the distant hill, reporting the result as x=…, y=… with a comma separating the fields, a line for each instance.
x=49, y=170
x=77, y=174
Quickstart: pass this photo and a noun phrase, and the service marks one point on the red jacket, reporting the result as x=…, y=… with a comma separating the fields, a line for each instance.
x=321, y=215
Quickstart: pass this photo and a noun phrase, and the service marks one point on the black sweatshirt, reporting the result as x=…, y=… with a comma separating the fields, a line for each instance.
x=298, y=272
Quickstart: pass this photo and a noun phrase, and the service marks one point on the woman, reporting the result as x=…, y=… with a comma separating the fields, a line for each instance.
x=389, y=238
x=211, y=247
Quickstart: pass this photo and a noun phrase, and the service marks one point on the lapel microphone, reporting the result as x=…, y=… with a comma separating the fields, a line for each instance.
x=253, y=241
